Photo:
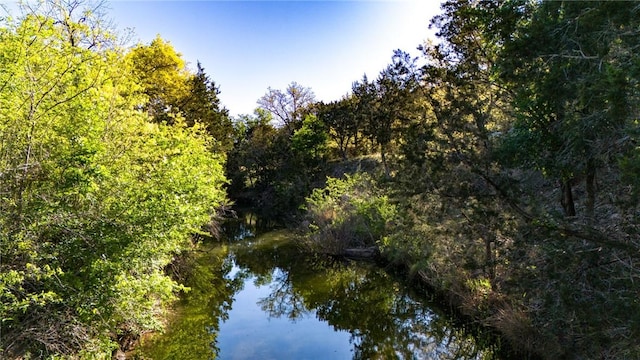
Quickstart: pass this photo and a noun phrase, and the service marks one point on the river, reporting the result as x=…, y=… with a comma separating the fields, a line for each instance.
x=258, y=296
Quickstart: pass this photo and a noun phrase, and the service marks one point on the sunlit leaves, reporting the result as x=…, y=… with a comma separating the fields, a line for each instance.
x=161, y=72
x=96, y=199
x=348, y=212
x=310, y=141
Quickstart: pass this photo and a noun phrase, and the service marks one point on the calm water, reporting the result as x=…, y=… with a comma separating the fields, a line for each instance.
x=259, y=297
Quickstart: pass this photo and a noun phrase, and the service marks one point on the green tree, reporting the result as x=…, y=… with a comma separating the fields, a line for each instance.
x=310, y=141
x=202, y=106
x=248, y=160
x=571, y=68
x=448, y=164
x=96, y=199
x=364, y=93
x=520, y=91
x=273, y=169
x=171, y=91
x=163, y=77
x=340, y=118
x=394, y=90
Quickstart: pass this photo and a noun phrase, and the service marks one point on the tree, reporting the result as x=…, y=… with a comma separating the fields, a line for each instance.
x=84, y=23
x=202, y=106
x=341, y=119
x=521, y=91
x=310, y=141
x=172, y=91
x=272, y=168
x=364, y=93
x=571, y=70
x=248, y=159
x=96, y=200
x=288, y=106
x=449, y=146
x=163, y=78
x=393, y=91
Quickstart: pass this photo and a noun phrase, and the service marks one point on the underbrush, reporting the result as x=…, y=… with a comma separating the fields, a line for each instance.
x=347, y=213
x=552, y=286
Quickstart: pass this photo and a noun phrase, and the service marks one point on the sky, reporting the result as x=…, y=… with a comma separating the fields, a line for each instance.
x=248, y=46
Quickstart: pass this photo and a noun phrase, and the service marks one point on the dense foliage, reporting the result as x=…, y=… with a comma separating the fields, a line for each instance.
x=171, y=90
x=508, y=176
x=96, y=199
x=273, y=168
x=351, y=212
x=511, y=155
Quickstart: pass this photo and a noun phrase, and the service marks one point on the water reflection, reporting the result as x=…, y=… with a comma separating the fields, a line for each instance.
x=276, y=301
x=194, y=326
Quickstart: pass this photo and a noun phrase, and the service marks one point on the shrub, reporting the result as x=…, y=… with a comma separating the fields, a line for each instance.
x=349, y=212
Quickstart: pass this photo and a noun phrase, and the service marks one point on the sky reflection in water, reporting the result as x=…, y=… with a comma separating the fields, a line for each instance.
x=261, y=298
x=249, y=334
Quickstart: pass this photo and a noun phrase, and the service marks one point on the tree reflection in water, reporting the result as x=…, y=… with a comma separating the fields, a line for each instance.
x=194, y=326
x=384, y=319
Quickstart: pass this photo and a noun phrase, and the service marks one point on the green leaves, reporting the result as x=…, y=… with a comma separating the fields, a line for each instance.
x=310, y=141
x=350, y=212
x=96, y=200
x=571, y=74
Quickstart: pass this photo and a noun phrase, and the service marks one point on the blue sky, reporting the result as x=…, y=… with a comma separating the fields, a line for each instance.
x=248, y=46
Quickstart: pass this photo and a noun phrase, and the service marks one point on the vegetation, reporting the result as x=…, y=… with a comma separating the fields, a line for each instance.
x=278, y=154
x=96, y=198
x=171, y=91
x=509, y=152
x=348, y=213
x=289, y=106
x=511, y=158
x=508, y=177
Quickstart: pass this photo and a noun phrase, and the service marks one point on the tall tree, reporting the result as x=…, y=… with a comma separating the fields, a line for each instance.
x=247, y=163
x=571, y=68
x=95, y=201
x=288, y=106
x=202, y=106
x=341, y=119
x=163, y=77
x=364, y=93
x=310, y=141
x=446, y=143
x=83, y=22
x=394, y=90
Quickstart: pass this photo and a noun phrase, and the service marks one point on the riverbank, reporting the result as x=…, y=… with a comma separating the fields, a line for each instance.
x=471, y=311
x=537, y=283
x=479, y=311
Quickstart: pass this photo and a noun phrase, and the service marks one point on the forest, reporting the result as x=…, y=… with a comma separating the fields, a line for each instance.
x=500, y=168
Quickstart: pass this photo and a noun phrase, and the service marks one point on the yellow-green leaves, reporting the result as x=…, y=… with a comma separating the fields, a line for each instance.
x=95, y=199
x=162, y=75
x=349, y=212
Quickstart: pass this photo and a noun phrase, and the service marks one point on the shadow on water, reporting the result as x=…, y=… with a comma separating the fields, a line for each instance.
x=355, y=310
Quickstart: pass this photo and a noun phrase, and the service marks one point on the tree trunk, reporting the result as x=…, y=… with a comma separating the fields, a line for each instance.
x=356, y=144
x=567, y=198
x=343, y=144
x=384, y=161
x=591, y=188
x=490, y=258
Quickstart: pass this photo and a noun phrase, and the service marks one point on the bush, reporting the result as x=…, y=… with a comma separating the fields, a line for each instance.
x=349, y=212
